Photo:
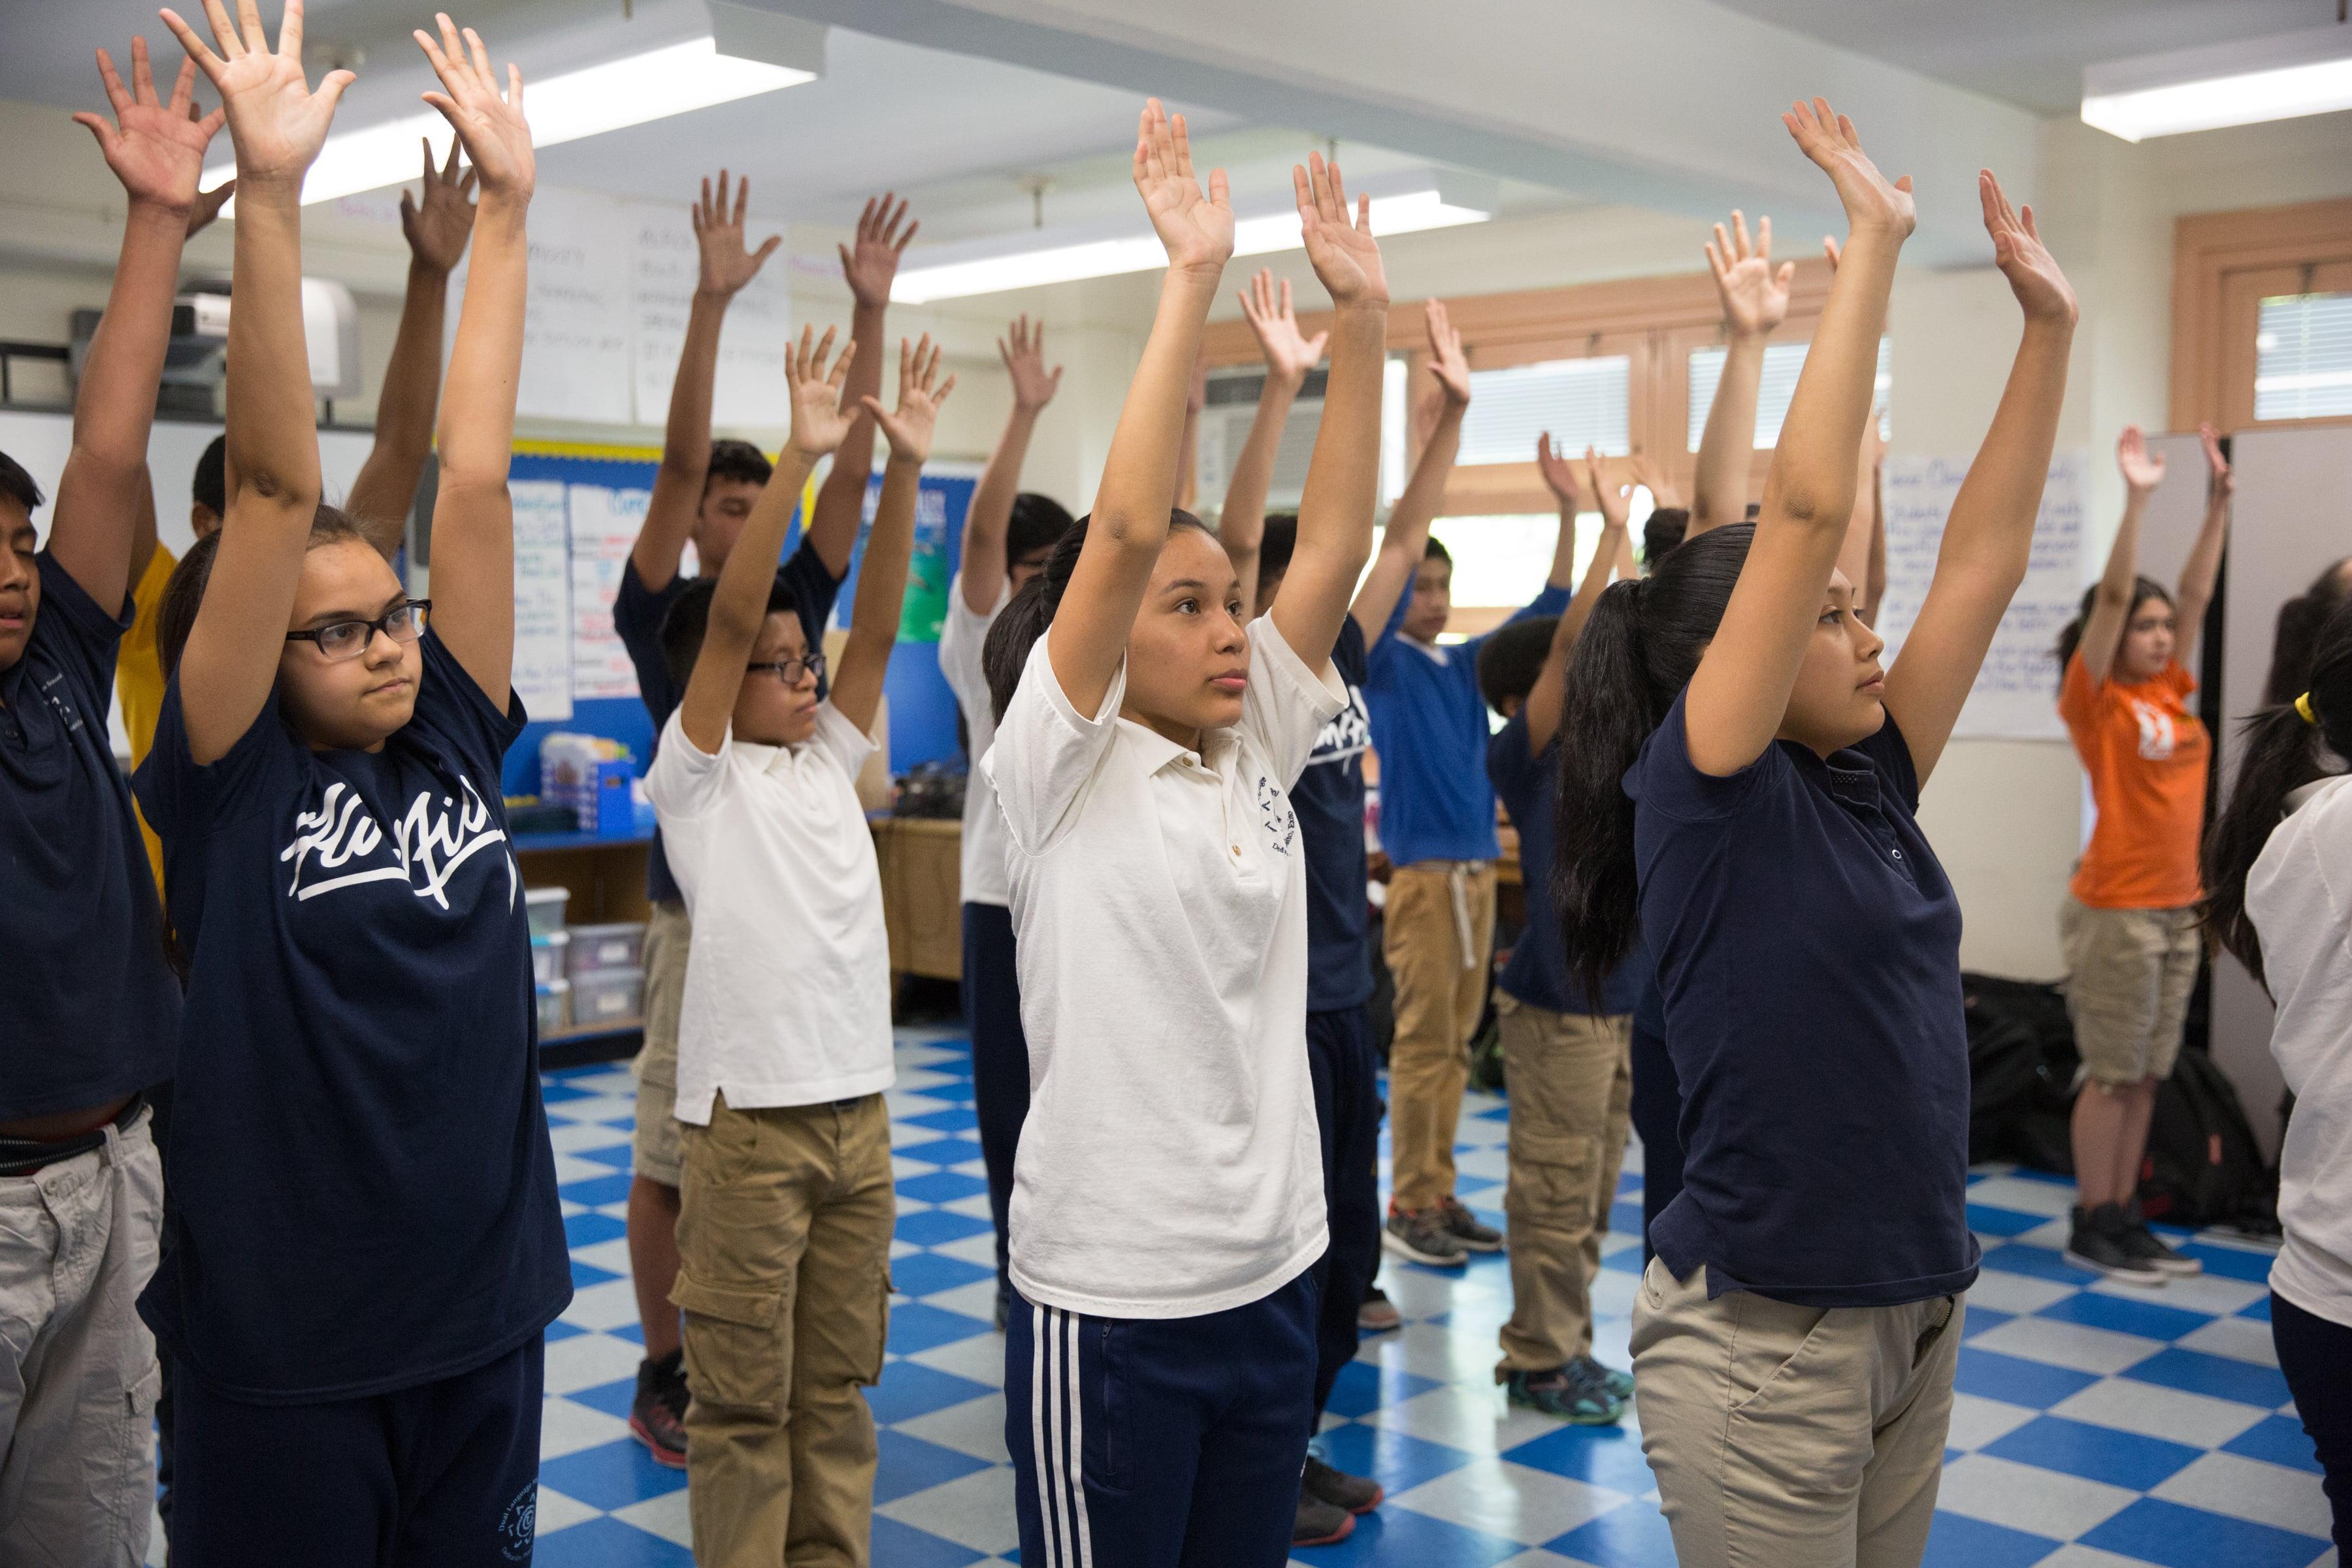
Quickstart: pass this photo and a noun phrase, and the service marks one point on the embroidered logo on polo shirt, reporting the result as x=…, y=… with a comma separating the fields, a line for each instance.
x=520, y=1529
x=425, y=846
x=1275, y=815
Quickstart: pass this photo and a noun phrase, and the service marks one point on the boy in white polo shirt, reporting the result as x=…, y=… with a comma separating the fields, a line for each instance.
x=784, y=1031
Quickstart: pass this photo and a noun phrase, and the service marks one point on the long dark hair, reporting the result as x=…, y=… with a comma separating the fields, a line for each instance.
x=2143, y=590
x=1637, y=652
x=1018, y=626
x=183, y=591
x=2299, y=620
x=2282, y=755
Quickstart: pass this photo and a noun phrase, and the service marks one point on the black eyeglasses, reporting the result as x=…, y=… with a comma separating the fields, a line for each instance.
x=339, y=640
x=789, y=670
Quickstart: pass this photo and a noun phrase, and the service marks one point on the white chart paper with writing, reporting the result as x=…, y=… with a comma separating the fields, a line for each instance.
x=542, y=580
x=663, y=267
x=604, y=523
x=2016, y=693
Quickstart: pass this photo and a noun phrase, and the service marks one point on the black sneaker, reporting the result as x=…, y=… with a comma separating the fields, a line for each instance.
x=1567, y=1392
x=2145, y=1243
x=1357, y=1494
x=2097, y=1244
x=1620, y=1383
x=1321, y=1524
x=1423, y=1237
x=658, y=1413
x=1467, y=1230
x=1377, y=1315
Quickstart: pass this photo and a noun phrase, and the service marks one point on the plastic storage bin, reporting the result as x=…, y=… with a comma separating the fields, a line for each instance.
x=546, y=906
x=597, y=947
x=547, y=956
x=554, y=1006
x=608, y=996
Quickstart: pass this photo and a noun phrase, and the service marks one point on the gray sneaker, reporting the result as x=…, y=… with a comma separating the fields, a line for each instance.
x=2142, y=1242
x=2097, y=1244
x=1422, y=1236
x=1466, y=1229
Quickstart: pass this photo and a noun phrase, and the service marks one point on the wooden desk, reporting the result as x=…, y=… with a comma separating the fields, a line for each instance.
x=921, y=861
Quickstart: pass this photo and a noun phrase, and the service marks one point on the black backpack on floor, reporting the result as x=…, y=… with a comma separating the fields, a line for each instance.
x=2021, y=1064
x=2205, y=1167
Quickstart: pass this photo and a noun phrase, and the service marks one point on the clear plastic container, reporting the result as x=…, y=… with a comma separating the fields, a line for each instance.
x=608, y=996
x=547, y=956
x=554, y=1006
x=546, y=905
x=598, y=947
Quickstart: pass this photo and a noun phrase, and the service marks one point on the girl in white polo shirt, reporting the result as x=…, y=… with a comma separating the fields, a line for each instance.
x=1167, y=1198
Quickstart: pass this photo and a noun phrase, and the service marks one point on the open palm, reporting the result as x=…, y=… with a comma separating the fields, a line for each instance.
x=1197, y=230
x=155, y=149
x=1024, y=360
x=277, y=122
x=819, y=421
x=1344, y=254
x=1872, y=201
x=2016, y=249
x=1755, y=293
x=497, y=137
x=2143, y=471
x=1559, y=473
x=1447, y=362
x=726, y=264
x=438, y=227
x=910, y=425
x=1289, y=353
x=870, y=264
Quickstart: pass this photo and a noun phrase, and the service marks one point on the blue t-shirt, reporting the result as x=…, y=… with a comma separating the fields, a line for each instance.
x=1808, y=948
x=364, y=1196
x=1429, y=725
x=90, y=1013
x=1330, y=800
x=1537, y=972
x=637, y=616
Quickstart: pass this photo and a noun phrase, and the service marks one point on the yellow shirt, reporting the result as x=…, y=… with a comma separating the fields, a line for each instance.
x=139, y=679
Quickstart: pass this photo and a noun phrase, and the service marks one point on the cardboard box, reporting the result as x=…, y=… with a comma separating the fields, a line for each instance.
x=922, y=894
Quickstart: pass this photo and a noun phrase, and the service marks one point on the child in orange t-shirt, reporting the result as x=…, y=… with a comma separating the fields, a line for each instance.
x=2129, y=925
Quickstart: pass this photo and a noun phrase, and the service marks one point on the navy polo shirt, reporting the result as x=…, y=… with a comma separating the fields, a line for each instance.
x=1807, y=949
x=637, y=616
x=1330, y=800
x=1537, y=973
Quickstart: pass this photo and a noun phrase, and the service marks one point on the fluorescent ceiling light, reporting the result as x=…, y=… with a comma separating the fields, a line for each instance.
x=2237, y=83
x=1404, y=213
x=675, y=79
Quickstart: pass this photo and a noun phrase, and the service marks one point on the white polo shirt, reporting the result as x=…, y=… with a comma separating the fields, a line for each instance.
x=1169, y=1166
x=2299, y=895
x=788, y=977
x=961, y=636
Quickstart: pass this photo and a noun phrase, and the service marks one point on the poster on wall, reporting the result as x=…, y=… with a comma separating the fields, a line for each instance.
x=575, y=345
x=663, y=267
x=543, y=574
x=2016, y=693
x=604, y=523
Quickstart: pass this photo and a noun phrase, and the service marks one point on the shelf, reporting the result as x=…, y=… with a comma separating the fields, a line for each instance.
x=538, y=843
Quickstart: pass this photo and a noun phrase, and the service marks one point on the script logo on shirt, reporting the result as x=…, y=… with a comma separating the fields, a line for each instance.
x=1275, y=815
x=1349, y=733
x=2159, y=738
x=426, y=844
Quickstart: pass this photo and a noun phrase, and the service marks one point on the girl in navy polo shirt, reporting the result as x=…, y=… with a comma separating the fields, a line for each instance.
x=1741, y=799
x=366, y=1245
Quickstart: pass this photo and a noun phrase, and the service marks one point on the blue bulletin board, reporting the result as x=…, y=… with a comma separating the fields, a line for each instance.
x=921, y=707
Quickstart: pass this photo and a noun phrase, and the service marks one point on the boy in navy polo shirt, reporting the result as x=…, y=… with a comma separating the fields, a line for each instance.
x=704, y=491
x=1437, y=824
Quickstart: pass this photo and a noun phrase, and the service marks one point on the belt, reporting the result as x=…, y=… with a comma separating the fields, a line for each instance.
x=24, y=1156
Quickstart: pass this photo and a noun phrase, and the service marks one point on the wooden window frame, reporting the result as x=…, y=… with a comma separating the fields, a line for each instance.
x=2223, y=264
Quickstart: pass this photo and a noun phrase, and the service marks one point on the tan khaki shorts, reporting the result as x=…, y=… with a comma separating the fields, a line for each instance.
x=654, y=1152
x=2132, y=972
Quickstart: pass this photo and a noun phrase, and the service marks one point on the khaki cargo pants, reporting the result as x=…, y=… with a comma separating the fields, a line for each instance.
x=1438, y=938
x=783, y=1240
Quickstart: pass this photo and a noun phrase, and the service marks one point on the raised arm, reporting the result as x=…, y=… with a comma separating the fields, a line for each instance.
x=1290, y=354
x=1406, y=537
x=277, y=124
x=1755, y=297
x=990, y=514
x=1874, y=565
x=1335, y=509
x=740, y=603
x=157, y=151
x=473, y=514
x=1089, y=636
x=1188, y=446
x=723, y=265
x=869, y=265
x=1543, y=704
x=2103, y=630
x=2194, y=592
x=436, y=229
x=1988, y=537
x=1739, y=696
x=882, y=574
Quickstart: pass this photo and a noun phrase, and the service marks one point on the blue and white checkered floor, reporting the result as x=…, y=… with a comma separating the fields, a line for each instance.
x=2096, y=1426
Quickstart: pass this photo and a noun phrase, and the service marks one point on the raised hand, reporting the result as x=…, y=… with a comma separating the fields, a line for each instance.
x=438, y=227
x=1447, y=362
x=909, y=425
x=496, y=136
x=277, y=122
x=2221, y=483
x=726, y=265
x=871, y=263
x=1024, y=360
x=819, y=422
x=1289, y=353
x=1196, y=229
x=155, y=149
x=1871, y=202
x=1558, y=474
x=2143, y=470
x=1614, y=502
x=1651, y=477
x=1344, y=255
x=208, y=207
x=2016, y=249
x=1755, y=293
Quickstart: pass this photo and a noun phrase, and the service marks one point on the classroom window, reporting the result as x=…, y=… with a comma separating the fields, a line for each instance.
x=1501, y=561
x=1782, y=361
x=1582, y=401
x=2303, y=357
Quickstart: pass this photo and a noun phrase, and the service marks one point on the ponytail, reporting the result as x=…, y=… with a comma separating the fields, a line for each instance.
x=1639, y=651
x=1021, y=622
x=2285, y=749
